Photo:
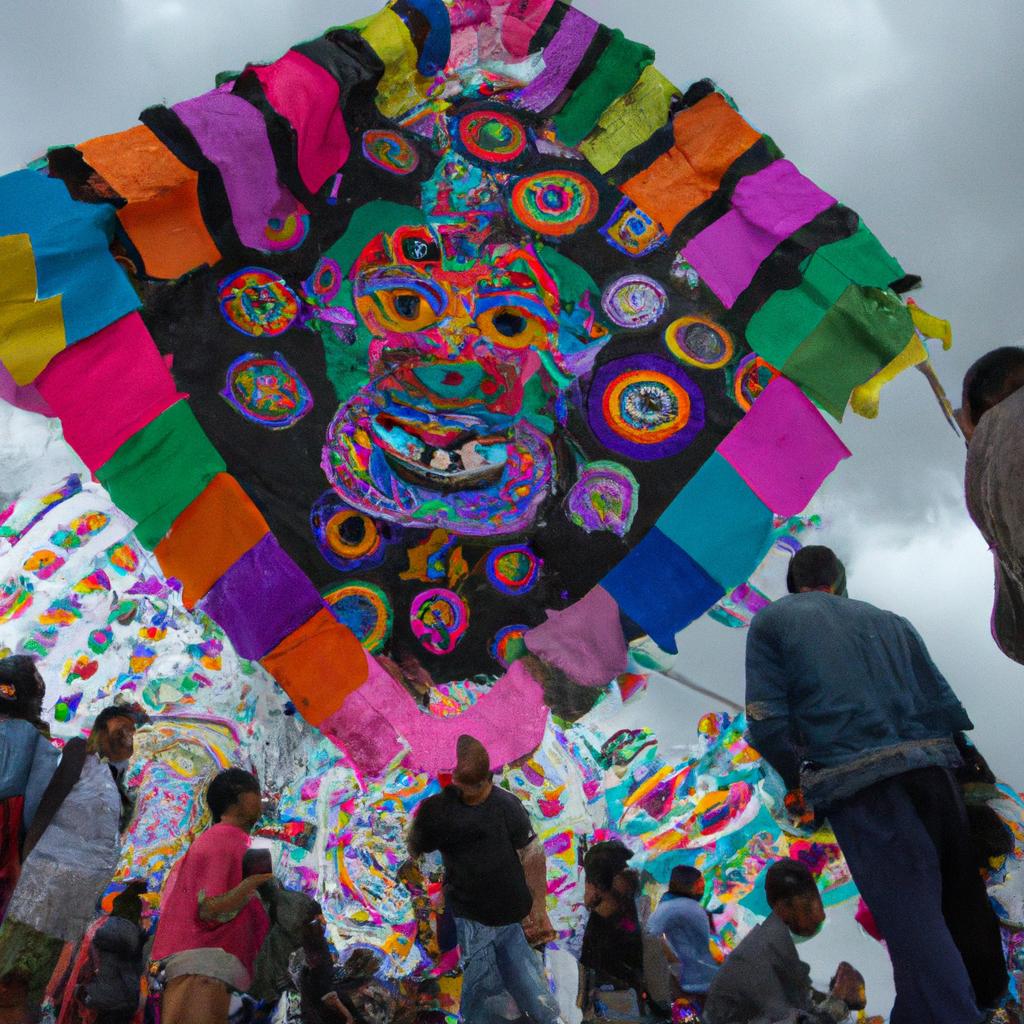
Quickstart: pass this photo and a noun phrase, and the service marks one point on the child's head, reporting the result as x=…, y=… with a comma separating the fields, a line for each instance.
x=686, y=881
x=128, y=902
x=791, y=893
x=235, y=794
x=990, y=379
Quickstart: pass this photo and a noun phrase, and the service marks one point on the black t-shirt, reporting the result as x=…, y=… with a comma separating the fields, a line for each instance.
x=484, y=879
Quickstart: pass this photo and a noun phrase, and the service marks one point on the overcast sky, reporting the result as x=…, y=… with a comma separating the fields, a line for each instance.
x=909, y=112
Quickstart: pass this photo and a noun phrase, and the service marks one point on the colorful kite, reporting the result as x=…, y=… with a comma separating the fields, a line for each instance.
x=456, y=335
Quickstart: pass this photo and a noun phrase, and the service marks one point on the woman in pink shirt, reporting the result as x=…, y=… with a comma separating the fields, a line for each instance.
x=211, y=922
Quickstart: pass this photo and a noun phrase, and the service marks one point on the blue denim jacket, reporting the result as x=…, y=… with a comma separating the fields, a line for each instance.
x=841, y=694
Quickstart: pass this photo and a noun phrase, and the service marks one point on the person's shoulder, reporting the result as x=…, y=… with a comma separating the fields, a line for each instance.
x=508, y=801
x=17, y=729
x=222, y=836
x=504, y=796
x=434, y=806
x=780, y=609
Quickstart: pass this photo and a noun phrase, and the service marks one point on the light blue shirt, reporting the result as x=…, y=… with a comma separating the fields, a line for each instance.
x=684, y=923
x=27, y=763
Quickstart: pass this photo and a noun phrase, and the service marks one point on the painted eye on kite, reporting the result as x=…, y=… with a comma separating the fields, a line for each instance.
x=512, y=327
x=404, y=309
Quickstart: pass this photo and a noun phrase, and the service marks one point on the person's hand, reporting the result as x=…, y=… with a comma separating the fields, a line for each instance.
x=255, y=881
x=538, y=927
x=848, y=985
x=337, y=1007
x=798, y=808
x=411, y=875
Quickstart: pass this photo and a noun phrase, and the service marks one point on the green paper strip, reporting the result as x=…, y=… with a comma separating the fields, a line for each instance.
x=864, y=331
x=778, y=328
x=615, y=73
x=157, y=472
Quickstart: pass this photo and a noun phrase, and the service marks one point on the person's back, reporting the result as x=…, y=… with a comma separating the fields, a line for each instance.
x=684, y=923
x=763, y=978
x=844, y=702
x=857, y=685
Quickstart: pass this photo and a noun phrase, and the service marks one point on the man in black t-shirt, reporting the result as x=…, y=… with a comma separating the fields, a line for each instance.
x=495, y=885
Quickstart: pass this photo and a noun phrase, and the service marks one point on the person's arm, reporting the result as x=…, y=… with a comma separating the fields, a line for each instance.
x=225, y=907
x=769, y=724
x=420, y=838
x=44, y=763
x=217, y=863
x=530, y=849
x=933, y=683
x=535, y=866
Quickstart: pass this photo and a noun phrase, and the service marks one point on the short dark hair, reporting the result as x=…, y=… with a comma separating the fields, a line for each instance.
x=109, y=713
x=786, y=879
x=604, y=860
x=225, y=789
x=683, y=878
x=18, y=673
x=815, y=566
x=990, y=379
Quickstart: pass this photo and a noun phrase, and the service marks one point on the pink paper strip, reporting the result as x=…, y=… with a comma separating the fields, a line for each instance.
x=783, y=448
x=520, y=24
x=108, y=387
x=767, y=208
x=22, y=396
x=585, y=640
x=562, y=57
x=307, y=96
x=233, y=136
x=509, y=720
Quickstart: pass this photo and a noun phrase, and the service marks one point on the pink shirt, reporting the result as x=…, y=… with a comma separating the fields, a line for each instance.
x=211, y=867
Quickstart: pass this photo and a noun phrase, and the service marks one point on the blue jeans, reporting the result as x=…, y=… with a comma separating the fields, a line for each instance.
x=498, y=961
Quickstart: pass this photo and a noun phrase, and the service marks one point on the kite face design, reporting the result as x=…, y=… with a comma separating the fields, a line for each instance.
x=443, y=422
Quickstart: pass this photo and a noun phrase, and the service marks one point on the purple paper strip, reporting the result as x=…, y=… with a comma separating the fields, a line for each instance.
x=562, y=57
x=262, y=598
x=24, y=396
x=233, y=137
x=767, y=208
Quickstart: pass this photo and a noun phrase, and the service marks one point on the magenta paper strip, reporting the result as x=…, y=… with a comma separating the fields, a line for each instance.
x=107, y=388
x=562, y=57
x=509, y=720
x=783, y=448
x=307, y=96
x=767, y=208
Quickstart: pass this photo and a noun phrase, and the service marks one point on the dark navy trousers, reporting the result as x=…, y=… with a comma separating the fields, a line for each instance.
x=908, y=846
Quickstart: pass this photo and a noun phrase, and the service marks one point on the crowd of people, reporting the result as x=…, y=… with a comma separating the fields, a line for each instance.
x=843, y=701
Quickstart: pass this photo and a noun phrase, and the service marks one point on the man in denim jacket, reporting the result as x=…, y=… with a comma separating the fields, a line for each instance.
x=845, y=703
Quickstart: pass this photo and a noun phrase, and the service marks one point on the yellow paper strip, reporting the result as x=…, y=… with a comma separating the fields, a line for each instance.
x=31, y=329
x=931, y=326
x=630, y=121
x=401, y=87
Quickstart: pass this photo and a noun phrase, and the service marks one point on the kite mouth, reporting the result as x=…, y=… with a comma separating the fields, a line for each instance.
x=445, y=453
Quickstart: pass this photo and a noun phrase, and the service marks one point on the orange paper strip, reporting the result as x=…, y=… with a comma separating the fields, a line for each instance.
x=209, y=536
x=709, y=137
x=162, y=215
x=318, y=666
